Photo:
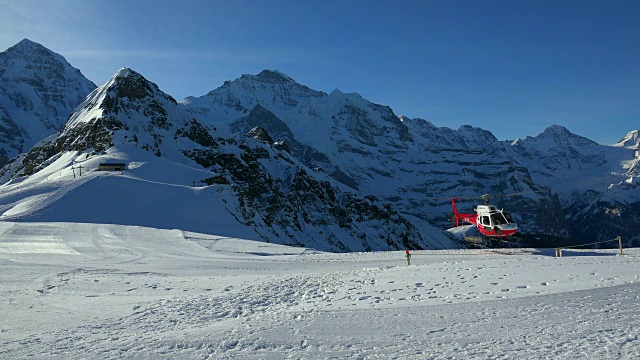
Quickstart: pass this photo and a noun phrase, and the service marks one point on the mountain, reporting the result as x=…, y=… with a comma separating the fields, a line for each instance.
x=184, y=174
x=417, y=167
x=559, y=185
x=38, y=91
x=598, y=185
x=631, y=140
x=408, y=163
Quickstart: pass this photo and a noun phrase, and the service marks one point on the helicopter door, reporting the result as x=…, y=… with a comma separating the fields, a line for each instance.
x=485, y=221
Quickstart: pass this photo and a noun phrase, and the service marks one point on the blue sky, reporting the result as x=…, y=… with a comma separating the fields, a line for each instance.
x=510, y=67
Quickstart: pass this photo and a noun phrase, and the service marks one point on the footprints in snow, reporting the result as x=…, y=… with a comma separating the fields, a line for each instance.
x=457, y=286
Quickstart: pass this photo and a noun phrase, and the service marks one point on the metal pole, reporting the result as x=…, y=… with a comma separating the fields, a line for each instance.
x=620, y=242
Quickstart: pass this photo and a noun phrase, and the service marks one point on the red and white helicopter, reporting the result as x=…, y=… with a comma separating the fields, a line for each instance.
x=490, y=221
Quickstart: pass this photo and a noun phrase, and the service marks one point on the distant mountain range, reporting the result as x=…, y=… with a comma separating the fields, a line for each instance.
x=303, y=167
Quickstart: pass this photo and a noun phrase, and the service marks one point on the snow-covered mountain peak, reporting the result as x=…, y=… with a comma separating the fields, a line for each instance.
x=25, y=46
x=132, y=85
x=28, y=58
x=631, y=140
x=555, y=130
x=559, y=136
x=38, y=91
x=475, y=137
x=336, y=92
x=273, y=89
x=124, y=72
x=28, y=48
x=130, y=108
x=128, y=77
x=272, y=76
x=266, y=80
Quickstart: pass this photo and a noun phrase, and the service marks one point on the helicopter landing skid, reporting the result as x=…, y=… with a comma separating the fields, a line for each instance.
x=492, y=241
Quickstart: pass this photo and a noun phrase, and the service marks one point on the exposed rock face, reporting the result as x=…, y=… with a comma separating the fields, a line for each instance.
x=265, y=119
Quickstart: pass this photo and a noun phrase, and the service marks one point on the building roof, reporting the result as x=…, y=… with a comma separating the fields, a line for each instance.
x=113, y=164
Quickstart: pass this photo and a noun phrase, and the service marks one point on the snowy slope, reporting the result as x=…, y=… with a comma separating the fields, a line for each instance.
x=72, y=290
x=38, y=91
x=129, y=198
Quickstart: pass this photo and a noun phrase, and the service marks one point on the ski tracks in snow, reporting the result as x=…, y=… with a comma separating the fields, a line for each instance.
x=140, y=293
x=334, y=315
x=163, y=327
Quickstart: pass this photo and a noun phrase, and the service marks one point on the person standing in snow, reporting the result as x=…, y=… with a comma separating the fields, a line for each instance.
x=408, y=258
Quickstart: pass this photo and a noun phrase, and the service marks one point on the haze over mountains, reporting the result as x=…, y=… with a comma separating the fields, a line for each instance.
x=263, y=157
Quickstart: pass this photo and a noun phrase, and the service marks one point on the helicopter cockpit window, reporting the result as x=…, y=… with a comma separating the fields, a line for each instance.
x=485, y=221
x=498, y=219
x=508, y=217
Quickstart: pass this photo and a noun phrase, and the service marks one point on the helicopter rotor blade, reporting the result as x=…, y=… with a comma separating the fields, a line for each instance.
x=488, y=196
x=522, y=193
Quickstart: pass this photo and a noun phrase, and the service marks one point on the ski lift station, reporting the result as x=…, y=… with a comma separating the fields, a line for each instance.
x=112, y=166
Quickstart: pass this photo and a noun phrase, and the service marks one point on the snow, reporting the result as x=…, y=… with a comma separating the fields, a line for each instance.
x=567, y=163
x=59, y=194
x=78, y=290
x=629, y=141
x=38, y=91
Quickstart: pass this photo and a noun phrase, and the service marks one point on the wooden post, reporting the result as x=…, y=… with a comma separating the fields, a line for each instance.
x=620, y=242
x=558, y=252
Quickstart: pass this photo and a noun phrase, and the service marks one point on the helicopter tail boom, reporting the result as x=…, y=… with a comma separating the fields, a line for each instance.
x=469, y=218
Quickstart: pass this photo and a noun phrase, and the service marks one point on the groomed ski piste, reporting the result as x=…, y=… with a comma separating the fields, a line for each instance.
x=80, y=290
